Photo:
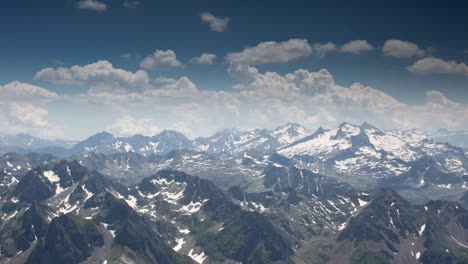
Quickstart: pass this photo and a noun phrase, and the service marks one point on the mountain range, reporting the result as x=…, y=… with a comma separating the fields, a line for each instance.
x=352, y=194
x=63, y=212
x=229, y=141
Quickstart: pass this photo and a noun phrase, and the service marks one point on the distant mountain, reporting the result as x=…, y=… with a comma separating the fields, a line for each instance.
x=106, y=143
x=290, y=133
x=455, y=138
x=370, y=153
x=363, y=156
x=26, y=143
x=98, y=143
x=427, y=172
x=227, y=142
x=234, y=141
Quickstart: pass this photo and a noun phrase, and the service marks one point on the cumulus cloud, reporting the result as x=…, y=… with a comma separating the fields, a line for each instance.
x=27, y=114
x=401, y=49
x=311, y=98
x=205, y=58
x=261, y=99
x=131, y=3
x=160, y=59
x=182, y=87
x=271, y=52
x=314, y=99
x=356, y=47
x=18, y=91
x=321, y=49
x=353, y=47
x=93, y=5
x=438, y=66
x=127, y=125
x=100, y=75
x=165, y=80
x=215, y=23
x=23, y=108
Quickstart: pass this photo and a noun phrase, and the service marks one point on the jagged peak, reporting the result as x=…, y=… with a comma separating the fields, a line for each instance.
x=366, y=125
x=134, y=137
x=169, y=132
x=319, y=131
x=24, y=135
x=289, y=125
x=103, y=135
x=387, y=192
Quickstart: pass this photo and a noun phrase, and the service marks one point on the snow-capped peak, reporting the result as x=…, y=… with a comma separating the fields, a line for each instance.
x=290, y=132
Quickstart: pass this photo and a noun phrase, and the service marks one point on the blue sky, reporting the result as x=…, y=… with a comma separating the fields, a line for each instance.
x=61, y=34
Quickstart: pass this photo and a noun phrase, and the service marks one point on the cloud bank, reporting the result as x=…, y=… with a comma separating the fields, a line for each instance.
x=258, y=99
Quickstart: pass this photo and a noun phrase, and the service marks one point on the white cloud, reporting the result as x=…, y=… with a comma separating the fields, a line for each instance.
x=100, y=75
x=182, y=87
x=313, y=98
x=93, y=5
x=262, y=99
x=215, y=23
x=23, y=91
x=27, y=117
x=401, y=49
x=356, y=47
x=321, y=49
x=131, y=3
x=127, y=125
x=205, y=58
x=353, y=47
x=23, y=108
x=165, y=80
x=27, y=114
x=160, y=59
x=437, y=112
x=271, y=52
x=438, y=66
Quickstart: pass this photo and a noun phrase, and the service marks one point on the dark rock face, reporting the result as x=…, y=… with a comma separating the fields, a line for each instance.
x=435, y=226
x=147, y=222
x=245, y=236
x=33, y=188
x=69, y=239
x=372, y=223
x=22, y=232
x=464, y=200
x=135, y=232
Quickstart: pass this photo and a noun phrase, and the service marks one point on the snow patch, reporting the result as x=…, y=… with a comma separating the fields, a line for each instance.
x=418, y=255
x=458, y=242
x=421, y=230
x=180, y=243
x=199, y=258
x=132, y=201
x=51, y=176
x=362, y=202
